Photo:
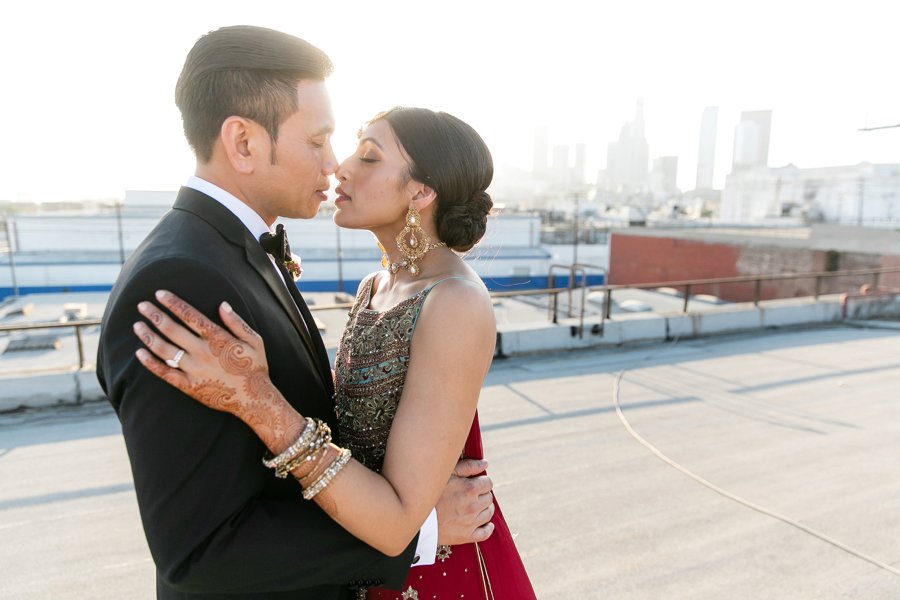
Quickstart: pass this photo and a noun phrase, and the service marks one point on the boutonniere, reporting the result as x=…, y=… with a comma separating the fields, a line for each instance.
x=292, y=264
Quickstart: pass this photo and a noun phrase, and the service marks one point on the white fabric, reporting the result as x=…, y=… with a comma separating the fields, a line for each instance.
x=426, y=547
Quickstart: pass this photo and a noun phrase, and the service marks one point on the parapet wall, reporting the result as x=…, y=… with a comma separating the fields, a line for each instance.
x=78, y=386
x=659, y=327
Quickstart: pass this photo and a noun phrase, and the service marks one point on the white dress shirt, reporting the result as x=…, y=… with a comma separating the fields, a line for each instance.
x=426, y=547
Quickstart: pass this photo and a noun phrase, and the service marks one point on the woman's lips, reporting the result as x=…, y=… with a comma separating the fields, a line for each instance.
x=341, y=196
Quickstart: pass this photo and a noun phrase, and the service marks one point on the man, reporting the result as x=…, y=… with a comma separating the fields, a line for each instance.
x=218, y=524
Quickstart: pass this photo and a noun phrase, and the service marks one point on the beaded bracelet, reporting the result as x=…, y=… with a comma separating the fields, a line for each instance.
x=314, y=454
x=306, y=437
x=342, y=459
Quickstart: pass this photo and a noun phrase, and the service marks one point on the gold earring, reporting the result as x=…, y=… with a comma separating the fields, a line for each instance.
x=413, y=243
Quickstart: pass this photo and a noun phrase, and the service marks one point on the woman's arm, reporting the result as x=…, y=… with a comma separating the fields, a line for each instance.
x=447, y=367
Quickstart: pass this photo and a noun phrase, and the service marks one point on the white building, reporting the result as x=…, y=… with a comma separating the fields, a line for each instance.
x=706, y=152
x=751, y=140
x=863, y=194
x=663, y=178
x=628, y=158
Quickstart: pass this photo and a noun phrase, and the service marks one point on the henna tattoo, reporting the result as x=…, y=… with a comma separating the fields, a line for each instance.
x=258, y=386
x=146, y=338
x=260, y=413
x=248, y=331
x=192, y=317
x=215, y=394
x=156, y=317
x=262, y=419
x=232, y=354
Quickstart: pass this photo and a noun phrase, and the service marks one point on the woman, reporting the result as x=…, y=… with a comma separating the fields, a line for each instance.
x=408, y=372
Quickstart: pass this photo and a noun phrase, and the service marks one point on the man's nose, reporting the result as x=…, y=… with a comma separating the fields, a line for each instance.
x=330, y=163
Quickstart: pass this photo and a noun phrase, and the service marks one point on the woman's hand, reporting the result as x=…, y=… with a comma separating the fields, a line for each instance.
x=223, y=371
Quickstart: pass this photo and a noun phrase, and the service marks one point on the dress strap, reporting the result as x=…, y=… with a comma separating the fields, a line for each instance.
x=430, y=287
x=425, y=293
x=364, y=297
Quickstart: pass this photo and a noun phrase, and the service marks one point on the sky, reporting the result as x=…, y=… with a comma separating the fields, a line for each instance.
x=88, y=108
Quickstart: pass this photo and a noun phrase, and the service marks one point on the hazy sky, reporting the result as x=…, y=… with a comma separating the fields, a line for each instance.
x=87, y=96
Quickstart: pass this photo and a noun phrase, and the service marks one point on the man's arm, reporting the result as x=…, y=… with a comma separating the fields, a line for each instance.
x=216, y=520
x=462, y=515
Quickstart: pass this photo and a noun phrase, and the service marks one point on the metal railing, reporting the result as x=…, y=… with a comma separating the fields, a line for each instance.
x=757, y=280
x=77, y=325
x=553, y=303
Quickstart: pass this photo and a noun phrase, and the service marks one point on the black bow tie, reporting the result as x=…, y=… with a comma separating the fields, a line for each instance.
x=276, y=244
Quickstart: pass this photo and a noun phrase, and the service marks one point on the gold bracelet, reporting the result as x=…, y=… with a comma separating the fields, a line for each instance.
x=329, y=474
x=321, y=438
x=291, y=451
x=288, y=468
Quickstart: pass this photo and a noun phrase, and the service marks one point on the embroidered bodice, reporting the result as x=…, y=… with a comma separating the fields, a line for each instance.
x=370, y=370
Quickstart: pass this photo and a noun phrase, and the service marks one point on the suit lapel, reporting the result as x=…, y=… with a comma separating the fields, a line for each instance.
x=317, y=342
x=232, y=229
x=261, y=263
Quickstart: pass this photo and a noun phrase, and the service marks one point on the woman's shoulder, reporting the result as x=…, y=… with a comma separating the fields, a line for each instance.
x=460, y=294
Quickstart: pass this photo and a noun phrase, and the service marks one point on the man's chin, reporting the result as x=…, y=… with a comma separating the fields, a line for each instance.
x=302, y=213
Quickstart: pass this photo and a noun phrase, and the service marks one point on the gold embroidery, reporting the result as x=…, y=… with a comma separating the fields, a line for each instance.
x=370, y=370
x=410, y=594
x=443, y=553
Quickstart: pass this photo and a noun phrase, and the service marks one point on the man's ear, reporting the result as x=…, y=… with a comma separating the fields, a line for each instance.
x=423, y=196
x=238, y=137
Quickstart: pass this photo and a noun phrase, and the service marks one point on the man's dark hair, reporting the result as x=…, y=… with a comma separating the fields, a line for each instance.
x=244, y=71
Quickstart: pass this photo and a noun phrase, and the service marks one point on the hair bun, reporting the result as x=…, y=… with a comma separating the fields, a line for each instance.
x=462, y=225
x=481, y=203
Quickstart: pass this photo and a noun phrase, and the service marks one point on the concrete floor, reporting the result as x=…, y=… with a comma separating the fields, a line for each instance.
x=804, y=423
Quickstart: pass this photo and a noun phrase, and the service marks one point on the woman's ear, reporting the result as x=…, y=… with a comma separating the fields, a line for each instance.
x=237, y=138
x=423, y=196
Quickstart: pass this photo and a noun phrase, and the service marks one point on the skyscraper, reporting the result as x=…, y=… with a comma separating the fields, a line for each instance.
x=751, y=140
x=559, y=168
x=706, y=155
x=578, y=174
x=628, y=159
x=663, y=177
x=541, y=149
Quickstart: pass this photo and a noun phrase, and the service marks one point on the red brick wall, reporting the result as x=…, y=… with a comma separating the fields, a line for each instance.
x=890, y=280
x=648, y=259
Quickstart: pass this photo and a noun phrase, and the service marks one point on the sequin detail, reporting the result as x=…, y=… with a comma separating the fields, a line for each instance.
x=370, y=370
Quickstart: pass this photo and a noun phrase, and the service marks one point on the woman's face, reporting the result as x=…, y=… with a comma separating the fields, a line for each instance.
x=374, y=190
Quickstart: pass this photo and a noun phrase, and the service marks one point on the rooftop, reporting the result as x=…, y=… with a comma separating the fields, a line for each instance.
x=756, y=465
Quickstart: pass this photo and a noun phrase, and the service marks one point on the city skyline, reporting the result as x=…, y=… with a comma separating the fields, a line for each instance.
x=90, y=109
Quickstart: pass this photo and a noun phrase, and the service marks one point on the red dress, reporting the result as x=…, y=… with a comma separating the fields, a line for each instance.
x=489, y=570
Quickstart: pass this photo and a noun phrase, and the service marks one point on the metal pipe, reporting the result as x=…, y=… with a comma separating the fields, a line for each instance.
x=80, y=347
x=12, y=258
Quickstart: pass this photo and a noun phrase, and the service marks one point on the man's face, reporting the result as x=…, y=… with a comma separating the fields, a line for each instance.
x=291, y=181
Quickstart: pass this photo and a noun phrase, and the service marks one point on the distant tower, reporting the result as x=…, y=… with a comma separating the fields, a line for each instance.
x=629, y=157
x=663, y=177
x=541, y=148
x=706, y=155
x=560, y=167
x=751, y=140
x=578, y=174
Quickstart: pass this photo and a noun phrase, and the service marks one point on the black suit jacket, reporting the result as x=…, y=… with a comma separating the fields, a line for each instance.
x=218, y=523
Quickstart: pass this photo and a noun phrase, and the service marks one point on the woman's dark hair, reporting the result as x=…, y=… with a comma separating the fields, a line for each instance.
x=244, y=71
x=450, y=157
